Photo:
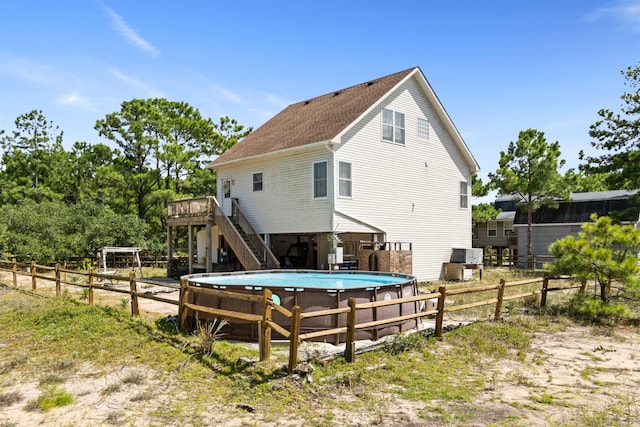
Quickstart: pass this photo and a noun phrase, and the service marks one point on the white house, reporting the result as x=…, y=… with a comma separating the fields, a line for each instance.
x=380, y=161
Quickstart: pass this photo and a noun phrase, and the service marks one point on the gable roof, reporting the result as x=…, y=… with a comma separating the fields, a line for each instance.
x=622, y=205
x=328, y=116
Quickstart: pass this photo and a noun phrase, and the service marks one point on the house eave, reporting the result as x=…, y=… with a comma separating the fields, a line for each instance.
x=262, y=156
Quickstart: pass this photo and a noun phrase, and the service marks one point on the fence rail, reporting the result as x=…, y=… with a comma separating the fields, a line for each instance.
x=291, y=330
x=94, y=280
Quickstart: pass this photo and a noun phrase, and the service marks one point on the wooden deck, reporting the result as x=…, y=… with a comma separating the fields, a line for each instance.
x=198, y=211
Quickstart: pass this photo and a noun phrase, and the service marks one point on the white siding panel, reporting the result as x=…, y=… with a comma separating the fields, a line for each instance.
x=286, y=203
x=411, y=191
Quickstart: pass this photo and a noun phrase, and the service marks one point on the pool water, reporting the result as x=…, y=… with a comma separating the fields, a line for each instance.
x=304, y=280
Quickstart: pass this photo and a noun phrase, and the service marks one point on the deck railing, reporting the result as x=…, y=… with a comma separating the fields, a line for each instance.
x=200, y=206
x=208, y=206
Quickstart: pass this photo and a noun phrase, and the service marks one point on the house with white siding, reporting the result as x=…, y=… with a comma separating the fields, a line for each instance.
x=380, y=161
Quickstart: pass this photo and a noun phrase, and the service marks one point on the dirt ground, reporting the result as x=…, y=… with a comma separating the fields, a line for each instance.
x=583, y=376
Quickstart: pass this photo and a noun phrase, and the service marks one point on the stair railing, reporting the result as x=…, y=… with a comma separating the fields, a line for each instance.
x=270, y=260
x=234, y=239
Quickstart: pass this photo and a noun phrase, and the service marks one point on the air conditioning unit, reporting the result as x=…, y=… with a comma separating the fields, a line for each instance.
x=467, y=256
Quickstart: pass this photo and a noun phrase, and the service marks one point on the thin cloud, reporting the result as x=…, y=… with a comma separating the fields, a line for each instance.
x=76, y=101
x=277, y=101
x=626, y=12
x=225, y=93
x=28, y=70
x=136, y=84
x=129, y=34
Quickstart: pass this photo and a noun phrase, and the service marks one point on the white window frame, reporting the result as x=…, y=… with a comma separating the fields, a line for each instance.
x=422, y=128
x=507, y=228
x=226, y=188
x=254, y=182
x=346, y=181
x=492, y=229
x=314, y=180
x=392, y=123
x=464, y=195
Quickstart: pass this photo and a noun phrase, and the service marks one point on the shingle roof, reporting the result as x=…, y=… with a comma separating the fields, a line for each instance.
x=314, y=120
x=624, y=207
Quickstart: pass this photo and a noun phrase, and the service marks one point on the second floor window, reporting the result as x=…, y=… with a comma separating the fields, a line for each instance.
x=464, y=195
x=344, y=183
x=423, y=128
x=392, y=126
x=492, y=229
x=320, y=180
x=257, y=181
x=508, y=228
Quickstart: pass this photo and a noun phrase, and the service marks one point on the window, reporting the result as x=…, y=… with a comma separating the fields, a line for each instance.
x=226, y=188
x=508, y=228
x=474, y=230
x=492, y=229
x=320, y=179
x=423, y=128
x=392, y=126
x=464, y=195
x=257, y=181
x=344, y=179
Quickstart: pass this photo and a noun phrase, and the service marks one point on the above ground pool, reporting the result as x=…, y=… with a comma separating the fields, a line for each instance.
x=311, y=290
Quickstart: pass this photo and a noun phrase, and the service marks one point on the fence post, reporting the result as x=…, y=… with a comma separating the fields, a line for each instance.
x=91, y=286
x=496, y=315
x=33, y=275
x=440, y=315
x=58, y=293
x=14, y=271
x=182, y=310
x=350, y=344
x=583, y=286
x=543, y=295
x=135, y=311
x=293, y=338
x=265, y=327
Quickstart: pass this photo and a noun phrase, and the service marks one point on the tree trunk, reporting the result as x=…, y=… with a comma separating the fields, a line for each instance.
x=603, y=291
x=529, y=233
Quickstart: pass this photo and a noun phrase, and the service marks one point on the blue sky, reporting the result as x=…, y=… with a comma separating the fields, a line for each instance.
x=497, y=66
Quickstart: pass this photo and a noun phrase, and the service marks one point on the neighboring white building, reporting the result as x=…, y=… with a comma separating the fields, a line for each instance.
x=379, y=161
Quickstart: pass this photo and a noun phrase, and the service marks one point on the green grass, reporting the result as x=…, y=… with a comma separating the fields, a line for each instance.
x=64, y=335
x=50, y=398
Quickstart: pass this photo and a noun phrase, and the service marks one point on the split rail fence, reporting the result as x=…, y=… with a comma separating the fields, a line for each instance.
x=541, y=287
x=94, y=280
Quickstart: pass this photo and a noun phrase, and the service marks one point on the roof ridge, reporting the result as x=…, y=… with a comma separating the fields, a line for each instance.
x=367, y=82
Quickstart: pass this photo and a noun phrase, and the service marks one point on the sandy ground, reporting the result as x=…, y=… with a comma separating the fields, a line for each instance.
x=579, y=377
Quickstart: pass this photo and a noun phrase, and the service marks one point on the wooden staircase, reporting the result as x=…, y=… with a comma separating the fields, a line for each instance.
x=246, y=243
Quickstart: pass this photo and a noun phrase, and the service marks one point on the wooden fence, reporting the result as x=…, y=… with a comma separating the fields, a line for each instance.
x=93, y=280
x=266, y=325
x=264, y=320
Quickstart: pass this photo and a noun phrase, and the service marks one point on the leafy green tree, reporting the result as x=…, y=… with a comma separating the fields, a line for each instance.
x=603, y=251
x=529, y=170
x=26, y=155
x=52, y=230
x=580, y=182
x=482, y=212
x=619, y=135
x=162, y=144
x=34, y=136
